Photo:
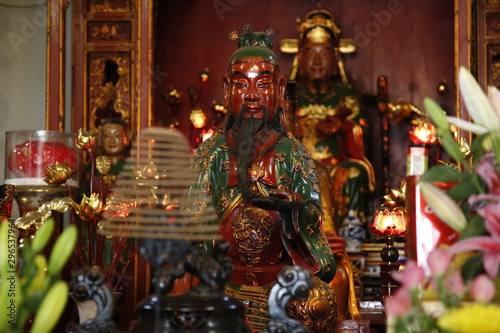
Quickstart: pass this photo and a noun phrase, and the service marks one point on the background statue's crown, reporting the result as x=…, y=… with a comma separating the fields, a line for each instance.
x=252, y=45
x=319, y=18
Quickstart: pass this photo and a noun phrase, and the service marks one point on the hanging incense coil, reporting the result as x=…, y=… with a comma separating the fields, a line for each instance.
x=150, y=197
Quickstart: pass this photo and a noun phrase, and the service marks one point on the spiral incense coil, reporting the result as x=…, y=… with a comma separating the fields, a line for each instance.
x=150, y=197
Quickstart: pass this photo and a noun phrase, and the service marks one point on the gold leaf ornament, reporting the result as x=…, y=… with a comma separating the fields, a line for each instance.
x=58, y=174
x=85, y=140
x=103, y=164
x=38, y=217
x=395, y=199
x=90, y=208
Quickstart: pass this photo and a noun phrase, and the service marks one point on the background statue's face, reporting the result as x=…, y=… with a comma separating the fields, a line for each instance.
x=318, y=61
x=114, y=139
x=254, y=84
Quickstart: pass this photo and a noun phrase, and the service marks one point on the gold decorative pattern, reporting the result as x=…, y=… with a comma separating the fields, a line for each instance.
x=319, y=311
x=109, y=31
x=7, y=196
x=207, y=161
x=298, y=167
x=253, y=231
x=284, y=182
x=207, y=188
x=110, y=6
x=493, y=65
x=280, y=157
x=225, y=198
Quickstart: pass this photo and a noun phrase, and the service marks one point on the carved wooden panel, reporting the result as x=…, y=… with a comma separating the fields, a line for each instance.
x=109, y=6
x=488, y=42
x=109, y=32
x=109, y=86
x=111, y=50
x=493, y=64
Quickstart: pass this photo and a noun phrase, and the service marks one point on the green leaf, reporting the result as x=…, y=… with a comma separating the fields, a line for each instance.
x=475, y=227
x=495, y=144
x=32, y=301
x=477, y=145
x=438, y=116
x=401, y=326
x=464, y=189
x=443, y=173
x=472, y=267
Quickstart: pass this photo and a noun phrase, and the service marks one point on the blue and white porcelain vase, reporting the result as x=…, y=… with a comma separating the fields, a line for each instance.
x=353, y=232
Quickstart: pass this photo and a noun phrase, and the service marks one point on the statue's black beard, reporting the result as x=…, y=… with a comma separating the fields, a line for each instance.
x=247, y=134
x=245, y=131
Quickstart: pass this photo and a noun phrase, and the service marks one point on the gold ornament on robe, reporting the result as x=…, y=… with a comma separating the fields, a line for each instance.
x=103, y=164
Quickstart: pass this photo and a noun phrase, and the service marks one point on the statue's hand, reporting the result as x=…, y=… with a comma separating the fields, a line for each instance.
x=337, y=244
x=287, y=203
x=278, y=200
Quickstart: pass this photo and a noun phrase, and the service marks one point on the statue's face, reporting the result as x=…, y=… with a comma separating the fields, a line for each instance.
x=114, y=139
x=318, y=61
x=254, y=84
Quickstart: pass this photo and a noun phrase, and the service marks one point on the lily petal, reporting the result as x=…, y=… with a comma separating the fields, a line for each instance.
x=443, y=206
x=491, y=263
x=467, y=125
x=494, y=97
x=488, y=245
x=478, y=104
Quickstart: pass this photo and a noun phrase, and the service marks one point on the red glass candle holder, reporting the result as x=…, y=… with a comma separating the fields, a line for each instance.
x=30, y=152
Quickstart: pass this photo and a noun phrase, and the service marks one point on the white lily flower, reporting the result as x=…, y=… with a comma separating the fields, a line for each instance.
x=494, y=97
x=478, y=104
x=467, y=125
x=443, y=206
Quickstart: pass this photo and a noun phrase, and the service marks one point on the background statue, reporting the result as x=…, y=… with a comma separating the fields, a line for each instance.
x=113, y=147
x=330, y=118
x=343, y=283
x=264, y=184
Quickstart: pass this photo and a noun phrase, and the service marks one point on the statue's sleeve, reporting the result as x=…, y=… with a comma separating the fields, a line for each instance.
x=309, y=220
x=202, y=185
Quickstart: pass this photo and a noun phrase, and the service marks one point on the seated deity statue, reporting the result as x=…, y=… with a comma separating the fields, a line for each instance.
x=330, y=117
x=113, y=144
x=265, y=189
x=344, y=282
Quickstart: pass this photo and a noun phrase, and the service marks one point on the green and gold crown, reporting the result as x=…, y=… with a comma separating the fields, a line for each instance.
x=253, y=46
x=319, y=26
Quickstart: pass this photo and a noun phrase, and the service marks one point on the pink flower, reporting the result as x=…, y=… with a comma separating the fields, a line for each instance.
x=439, y=261
x=411, y=276
x=488, y=173
x=490, y=245
x=455, y=283
x=399, y=304
x=482, y=289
